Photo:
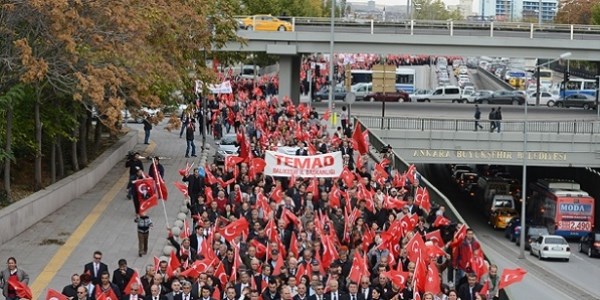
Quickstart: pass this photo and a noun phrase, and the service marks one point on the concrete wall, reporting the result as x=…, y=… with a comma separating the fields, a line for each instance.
x=22, y=214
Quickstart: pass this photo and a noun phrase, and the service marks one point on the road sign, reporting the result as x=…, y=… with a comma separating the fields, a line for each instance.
x=350, y=98
x=384, y=78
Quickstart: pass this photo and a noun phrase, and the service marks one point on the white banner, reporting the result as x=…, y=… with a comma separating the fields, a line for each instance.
x=322, y=165
x=222, y=88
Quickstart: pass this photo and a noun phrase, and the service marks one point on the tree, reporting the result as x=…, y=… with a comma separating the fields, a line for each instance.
x=435, y=10
x=575, y=12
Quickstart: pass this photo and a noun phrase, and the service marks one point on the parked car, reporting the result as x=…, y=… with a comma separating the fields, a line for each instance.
x=398, y=96
x=578, y=100
x=550, y=246
x=323, y=94
x=266, y=23
x=502, y=97
x=500, y=218
x=228, y=145
x=590, y=244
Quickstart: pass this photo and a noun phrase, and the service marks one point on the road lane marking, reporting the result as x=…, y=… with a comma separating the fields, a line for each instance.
x=65, y=251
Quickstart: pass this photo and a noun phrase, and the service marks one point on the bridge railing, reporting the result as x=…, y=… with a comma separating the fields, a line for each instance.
x=450, y=27
x=438, y=124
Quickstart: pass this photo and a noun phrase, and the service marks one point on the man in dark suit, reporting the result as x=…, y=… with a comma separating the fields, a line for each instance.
x=271, y=293
x=467, y=290
x=319, y=290
x=301, y=150
x=353, y=293
x=302, y=292
x=186, y=286
x=96, y=268
x=122, y=275
x=155, y=294
x=412, y=207
x=244, y=282
x=334, y=292
x=206, y=293
x=365, y=287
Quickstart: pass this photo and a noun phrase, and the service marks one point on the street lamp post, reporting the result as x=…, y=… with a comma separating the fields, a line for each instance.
x=331, y=43
x=540, y=13
x=524, y=180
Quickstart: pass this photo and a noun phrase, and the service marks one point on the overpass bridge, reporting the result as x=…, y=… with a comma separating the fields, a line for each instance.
x=311, y=35
x=558, y=143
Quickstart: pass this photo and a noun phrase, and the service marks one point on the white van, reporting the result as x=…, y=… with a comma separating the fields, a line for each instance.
x=443, y=94
x=501, y=201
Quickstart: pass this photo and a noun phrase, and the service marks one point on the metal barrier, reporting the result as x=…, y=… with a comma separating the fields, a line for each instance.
x=453, y=28
x=505, y=85
x=438, y=124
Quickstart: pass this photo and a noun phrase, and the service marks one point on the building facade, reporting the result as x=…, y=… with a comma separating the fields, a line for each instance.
x=518, y=10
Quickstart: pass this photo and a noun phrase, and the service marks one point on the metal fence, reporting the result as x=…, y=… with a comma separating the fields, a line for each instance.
x=438, y=124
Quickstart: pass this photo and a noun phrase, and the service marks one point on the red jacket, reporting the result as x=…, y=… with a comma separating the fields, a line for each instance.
x=464, y=254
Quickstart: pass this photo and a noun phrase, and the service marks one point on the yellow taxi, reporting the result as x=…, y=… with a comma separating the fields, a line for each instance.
x=266, y=23
x=500, y=217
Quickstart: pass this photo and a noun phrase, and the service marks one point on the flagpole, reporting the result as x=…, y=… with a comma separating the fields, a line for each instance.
x=159, y=191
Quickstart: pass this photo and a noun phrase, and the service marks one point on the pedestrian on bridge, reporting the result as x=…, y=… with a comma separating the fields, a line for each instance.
x=498, y=118
x=477, y=118
x=492, y=117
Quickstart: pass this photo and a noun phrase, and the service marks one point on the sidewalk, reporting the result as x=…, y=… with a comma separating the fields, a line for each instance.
x=59, y=246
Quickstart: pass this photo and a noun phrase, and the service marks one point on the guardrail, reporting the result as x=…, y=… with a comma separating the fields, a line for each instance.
x=505, y=85
x=437, y=124
x=450, y=27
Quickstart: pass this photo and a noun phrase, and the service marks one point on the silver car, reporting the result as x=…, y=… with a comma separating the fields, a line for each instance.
x=228, y=145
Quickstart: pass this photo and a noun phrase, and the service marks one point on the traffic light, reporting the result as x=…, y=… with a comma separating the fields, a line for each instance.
x=317, y=70
x=567, y=76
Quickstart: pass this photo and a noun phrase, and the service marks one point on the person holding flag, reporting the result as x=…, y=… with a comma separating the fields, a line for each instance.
x=16, y=275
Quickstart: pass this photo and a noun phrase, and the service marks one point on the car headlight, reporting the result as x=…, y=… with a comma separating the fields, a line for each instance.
x=222, y=152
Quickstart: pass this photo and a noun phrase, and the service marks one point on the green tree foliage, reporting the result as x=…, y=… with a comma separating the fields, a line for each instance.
x=435, y=10
x=576, y=12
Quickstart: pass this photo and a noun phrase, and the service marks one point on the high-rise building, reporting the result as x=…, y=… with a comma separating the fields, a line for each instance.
x=517, y=10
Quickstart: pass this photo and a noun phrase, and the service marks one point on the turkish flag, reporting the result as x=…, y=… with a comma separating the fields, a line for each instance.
x=394, y=203
x=441, y=221
x=485, y=288
x=208, y=194
x=261, y=249
x=459, y=236
x=407, y=224
x=21, y=289
x=108, y=295
x=420, y=275
x=277, y=194
x=55, y=295
x=329, y=252
x=478, y=264
x=334, y=196
x=511, y=276
x=182, y=187
x=278, y=265
x=313, y=187
x=135, y=278
x=244, y=151
x=186, y=170
x=435, y=237
x=174, y=264
x=422, y=198
x=257, y=165
x=221, y=274
x=432, y=283
x=294, y=244
x=231, y=161
x=210, y=178
x=160, y=183
x=146, y=194
x=235, y=229
x=359, y=139
x=398, y=278
x=410, y=173
x=186, y=232
x=414, y=247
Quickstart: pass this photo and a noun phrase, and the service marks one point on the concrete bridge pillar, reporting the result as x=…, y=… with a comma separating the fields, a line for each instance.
x=289, y=77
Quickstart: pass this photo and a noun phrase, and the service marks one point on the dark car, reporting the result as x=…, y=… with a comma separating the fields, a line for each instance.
x=323, y=94
x=398, y=96
x=533, y=232
x=590, y=244
x=578, y=100
x=502, y=97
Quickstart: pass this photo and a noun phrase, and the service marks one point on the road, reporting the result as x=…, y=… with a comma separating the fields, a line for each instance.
x=547, y=280
x=439, y=30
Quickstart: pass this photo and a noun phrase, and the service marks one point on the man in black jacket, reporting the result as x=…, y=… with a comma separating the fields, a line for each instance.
x=195, y=188
x=122, y=275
